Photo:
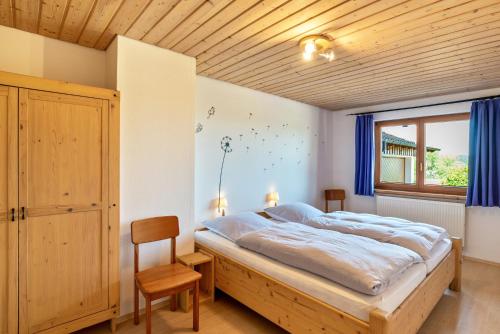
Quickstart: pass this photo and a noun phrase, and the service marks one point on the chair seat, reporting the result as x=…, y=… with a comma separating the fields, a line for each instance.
x=166, y=277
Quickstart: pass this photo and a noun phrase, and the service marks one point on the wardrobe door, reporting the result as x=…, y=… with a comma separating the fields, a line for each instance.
x=63, y=193
x=8, y=210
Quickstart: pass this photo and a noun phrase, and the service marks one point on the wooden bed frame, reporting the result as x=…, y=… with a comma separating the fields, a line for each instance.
x=298, y=312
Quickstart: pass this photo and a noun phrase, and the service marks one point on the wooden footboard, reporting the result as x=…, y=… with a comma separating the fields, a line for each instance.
x=297, y=312
x=287, y=307
x=413, y=312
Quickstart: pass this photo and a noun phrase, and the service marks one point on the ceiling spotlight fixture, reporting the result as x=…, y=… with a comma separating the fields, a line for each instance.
x=315, y=46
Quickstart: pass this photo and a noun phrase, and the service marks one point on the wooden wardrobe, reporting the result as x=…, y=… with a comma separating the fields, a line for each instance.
x=59, y=205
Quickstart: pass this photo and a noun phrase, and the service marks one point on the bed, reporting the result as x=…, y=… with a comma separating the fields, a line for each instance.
x=301, y=302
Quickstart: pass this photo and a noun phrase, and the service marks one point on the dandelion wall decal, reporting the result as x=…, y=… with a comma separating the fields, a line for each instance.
x=225, y=145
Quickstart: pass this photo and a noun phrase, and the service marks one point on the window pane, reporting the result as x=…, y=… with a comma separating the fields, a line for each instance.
x=399, y=152
x=446, y=156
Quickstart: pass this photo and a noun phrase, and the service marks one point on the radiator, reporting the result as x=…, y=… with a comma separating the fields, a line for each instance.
x=448, y=215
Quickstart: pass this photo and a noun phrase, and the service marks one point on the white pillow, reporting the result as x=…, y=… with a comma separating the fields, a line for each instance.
x=234, y=226
x=295, y=212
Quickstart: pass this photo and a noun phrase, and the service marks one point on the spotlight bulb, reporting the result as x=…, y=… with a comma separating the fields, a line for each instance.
x=307, y=56
x=310, y=47
x=329, y=55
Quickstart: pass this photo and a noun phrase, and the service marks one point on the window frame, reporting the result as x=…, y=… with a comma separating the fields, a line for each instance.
x=419, y=186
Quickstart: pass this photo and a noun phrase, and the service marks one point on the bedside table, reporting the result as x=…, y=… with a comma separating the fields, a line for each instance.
x=204, y=264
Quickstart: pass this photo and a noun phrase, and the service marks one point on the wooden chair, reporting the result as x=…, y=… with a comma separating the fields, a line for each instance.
x=334, y=195
x=166, y=280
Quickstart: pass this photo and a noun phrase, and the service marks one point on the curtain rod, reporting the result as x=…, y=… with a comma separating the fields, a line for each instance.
x=425, y=105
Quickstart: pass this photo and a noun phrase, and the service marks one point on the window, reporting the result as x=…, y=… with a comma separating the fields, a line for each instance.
x=428, y=154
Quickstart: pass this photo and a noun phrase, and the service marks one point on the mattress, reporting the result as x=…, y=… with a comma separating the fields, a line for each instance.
x=354, y=303
x=438, y=253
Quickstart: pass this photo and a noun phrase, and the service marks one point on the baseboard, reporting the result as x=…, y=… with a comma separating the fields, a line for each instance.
x=142, y=311
x=473, y=259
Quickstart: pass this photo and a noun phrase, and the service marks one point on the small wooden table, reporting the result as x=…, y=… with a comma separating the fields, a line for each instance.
x=204, y=264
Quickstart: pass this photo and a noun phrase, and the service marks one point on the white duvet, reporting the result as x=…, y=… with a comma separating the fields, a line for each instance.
x=359, y=263
x=420, y=238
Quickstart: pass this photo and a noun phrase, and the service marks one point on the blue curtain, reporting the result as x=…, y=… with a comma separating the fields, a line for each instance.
x=365, y=156
x=484, y=154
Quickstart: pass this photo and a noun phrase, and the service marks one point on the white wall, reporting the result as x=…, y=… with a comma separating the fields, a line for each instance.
x=283, y=156
x=157, y=148
x=482, y=225
x=30, y=54
x=112, y=64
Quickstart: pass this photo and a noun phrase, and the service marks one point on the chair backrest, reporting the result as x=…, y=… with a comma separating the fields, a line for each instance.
x=334, y=195
x=154, y=229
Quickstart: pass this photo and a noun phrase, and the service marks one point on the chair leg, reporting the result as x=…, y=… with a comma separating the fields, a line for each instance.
x=196, y=307
x=136, y=304
x=148, y=315
x=173, y=302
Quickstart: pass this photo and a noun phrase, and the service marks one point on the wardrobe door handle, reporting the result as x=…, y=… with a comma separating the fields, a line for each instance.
x=22, y=213
x=13, y=214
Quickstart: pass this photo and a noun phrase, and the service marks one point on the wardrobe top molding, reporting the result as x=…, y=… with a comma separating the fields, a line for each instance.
x=63, y=87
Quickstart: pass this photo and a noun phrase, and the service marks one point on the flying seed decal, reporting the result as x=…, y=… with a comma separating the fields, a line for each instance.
x=199, y=128
x=211, y=112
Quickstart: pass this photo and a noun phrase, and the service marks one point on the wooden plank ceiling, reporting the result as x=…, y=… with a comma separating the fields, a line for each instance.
x=386, y=50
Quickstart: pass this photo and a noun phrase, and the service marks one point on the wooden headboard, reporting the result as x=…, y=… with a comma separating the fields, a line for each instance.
x=334, y=195
x=264, y=214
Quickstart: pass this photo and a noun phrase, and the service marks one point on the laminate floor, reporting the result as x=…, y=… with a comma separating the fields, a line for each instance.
x=476, y=310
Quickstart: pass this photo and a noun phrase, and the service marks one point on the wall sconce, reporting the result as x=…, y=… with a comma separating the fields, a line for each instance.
x=222, y=206
x=273, y=197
